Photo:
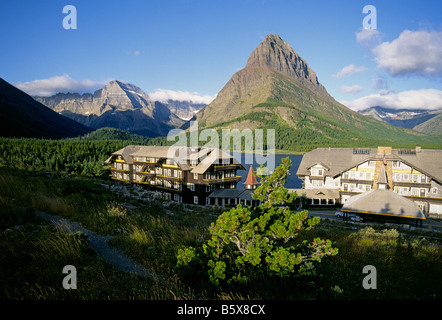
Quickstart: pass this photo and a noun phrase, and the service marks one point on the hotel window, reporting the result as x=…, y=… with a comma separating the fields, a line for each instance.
x=396, y=163
x=191, y=186
x=207, y=188
x=434, y=190
x=176, y=197
x=195, y=200
x=317, y=183
x=167, y=184
x=195, y=176
x=405, y=177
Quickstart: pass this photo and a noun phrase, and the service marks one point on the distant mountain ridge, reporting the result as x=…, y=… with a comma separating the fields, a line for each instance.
x=119, y=105
x=22, y=116
x=422, y=120
x=277, y=89
x=185, y=110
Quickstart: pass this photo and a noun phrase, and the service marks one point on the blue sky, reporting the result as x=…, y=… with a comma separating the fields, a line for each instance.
x=194, y=47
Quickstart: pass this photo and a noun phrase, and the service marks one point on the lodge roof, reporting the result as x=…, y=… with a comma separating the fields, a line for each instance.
x=181, y=155
x=383, y=202
x=339, y=160
x=125, y=152
x=244, y=194
x=213, y=157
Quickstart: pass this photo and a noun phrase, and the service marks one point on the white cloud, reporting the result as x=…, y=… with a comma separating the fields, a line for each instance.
x=50, y=86
x=412, y=99
x=369, y=37
x=137, y=53
x=164, y=95
x=412, y=53
x=351, y=89
x=349, y=70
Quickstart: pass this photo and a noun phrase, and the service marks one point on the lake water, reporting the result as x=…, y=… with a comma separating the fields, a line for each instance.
x=292, y=181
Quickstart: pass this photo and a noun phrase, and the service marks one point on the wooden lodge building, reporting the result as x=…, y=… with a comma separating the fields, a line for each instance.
x=334, y=175
x=233, y=197
x=182, y=174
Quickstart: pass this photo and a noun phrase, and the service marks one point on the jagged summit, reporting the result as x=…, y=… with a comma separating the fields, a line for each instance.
x=277, y=54
x=278, y=90
x=119, y=105
x=121, y=94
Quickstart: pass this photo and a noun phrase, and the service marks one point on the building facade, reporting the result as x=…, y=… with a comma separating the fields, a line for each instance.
x=415, y=174
x=233, y=197
x=182, y=174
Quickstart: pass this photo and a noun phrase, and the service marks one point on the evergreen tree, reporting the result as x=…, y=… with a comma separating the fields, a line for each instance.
x=245, y=240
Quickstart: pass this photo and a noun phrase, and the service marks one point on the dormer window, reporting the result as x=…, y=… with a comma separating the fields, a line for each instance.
x=317, y=172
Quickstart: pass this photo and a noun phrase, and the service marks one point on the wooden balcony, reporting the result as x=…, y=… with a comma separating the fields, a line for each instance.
x=170, y=178
x=411, y=184
x=120, y=170
x=223, y=167
x=225, y=179
x=145, y=173
x=356, y=181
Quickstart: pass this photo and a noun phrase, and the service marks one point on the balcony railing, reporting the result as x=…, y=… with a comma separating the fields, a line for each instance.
x=225, y=179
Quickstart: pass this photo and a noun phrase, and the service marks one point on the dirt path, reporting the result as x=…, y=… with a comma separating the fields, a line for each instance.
x=100, y=243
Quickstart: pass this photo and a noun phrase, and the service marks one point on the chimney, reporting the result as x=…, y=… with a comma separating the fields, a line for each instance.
x=418, y=148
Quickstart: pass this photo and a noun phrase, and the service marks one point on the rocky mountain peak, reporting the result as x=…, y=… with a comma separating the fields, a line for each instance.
x=277, y=54
x=122, y=95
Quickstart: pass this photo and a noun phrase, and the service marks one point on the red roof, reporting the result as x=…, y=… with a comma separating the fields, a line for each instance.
x=251, y=179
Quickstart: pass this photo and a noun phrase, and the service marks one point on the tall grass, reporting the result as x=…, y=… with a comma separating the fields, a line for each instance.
x=32, y=254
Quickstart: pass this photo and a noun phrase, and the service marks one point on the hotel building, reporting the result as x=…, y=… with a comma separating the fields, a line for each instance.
x=182, y=174
x=333, y=175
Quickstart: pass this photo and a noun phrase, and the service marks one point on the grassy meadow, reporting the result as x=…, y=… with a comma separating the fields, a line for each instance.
x=33, y=252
